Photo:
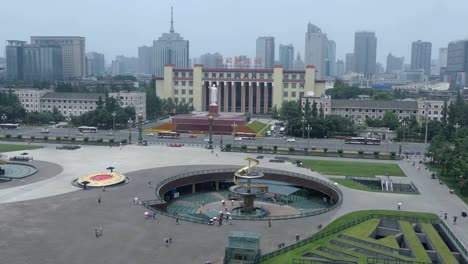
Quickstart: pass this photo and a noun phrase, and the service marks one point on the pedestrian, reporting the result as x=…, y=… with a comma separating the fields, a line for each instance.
x=149, y=184
x=135, y=200
x=121, y=145
x=455, y=219
x=269, y=223
x=440, y=214
x=232, y=202
x=177, y=220
x=99, y=200
x=216, y=154
x=154, y=214
x=399, y=206
x=166, y=241
x=103, y=189
x=170, y=239
x=212, y=151
x=223, y=202
x=203, y=203
x=445, y=216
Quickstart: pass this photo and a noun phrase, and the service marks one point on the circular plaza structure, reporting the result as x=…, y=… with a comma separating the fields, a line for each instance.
x=101, y=179
x=200, y=196
x=13, y=170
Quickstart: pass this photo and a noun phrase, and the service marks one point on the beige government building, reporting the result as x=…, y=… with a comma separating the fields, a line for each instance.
x=239, y=90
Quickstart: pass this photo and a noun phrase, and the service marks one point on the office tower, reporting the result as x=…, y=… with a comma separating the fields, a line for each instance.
x=365, y=52
x=145, y=60
x=442, y=58
x=298, y=63
x=340, y=68
x=286, y=56
x=73, y=48
x=14, y=59
x=421, y=56
x=51, y=62
x=266, y=52
x=95, y=64
x=316, y=49
x=213, y=61
x=170, y=48
x=350, y=63
x=394, y=64
x=457, y=63
x=330, y=60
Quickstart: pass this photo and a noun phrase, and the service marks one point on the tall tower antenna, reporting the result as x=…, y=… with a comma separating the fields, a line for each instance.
x=172, y=20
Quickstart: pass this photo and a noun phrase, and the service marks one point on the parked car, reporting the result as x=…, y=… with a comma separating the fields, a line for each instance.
x=206, y=139
x=268, y=134
x=291, y=140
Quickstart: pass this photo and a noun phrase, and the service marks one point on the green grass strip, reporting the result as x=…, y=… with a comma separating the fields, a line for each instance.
x=13, y=147
x=256, y=126
x=350, y=168
x=439, y=244
x=415, y=244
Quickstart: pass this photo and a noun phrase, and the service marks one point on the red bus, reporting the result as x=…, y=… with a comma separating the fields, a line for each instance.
x=87, y=129
x=168, y=135
x=362, y=140
x=243, y=135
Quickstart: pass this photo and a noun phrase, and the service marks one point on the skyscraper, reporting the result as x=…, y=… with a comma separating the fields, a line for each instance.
x=51, y=62
x=170, y=48
x=330, y=60
x=95, y=64
x=145, y=60
x=394, y=64
x=442, y=58
x=298, y=63
x=73, y=48
x=340, y=68
x=266, y=52
x=316, y=49
x=421, y=56
x=213, y=61
x=457, y=63
x=365, y=52
x=286, y=56
x=350, y=63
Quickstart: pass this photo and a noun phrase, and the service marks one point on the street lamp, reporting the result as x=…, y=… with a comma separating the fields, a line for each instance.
x=140, y=128
x=234, y=126
x=130, y=122
x=404, y=124
x=68, y=125
x=210, y=140
x=113, y=121
x=303, y=126
x=308, y=128
x=426, y=106
x=4, y=117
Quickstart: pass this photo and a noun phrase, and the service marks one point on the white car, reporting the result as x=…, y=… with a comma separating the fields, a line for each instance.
x=150, y=134
x=206, y=139
x=291, y=140
x=237, y=138
x=45, y=130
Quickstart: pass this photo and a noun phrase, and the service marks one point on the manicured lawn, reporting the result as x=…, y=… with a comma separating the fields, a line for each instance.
x=350, y=168
x=439, y=244
x=12, y=147
x=360, y=231
x=256, y=126
x=361, y=187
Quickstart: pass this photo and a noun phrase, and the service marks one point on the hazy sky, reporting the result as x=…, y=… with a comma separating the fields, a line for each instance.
x=115, y=27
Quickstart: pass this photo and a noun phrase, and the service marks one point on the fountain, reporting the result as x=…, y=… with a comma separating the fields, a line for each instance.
x=243, y=187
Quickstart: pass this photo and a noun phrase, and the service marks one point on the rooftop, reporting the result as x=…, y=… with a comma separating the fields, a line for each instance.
x=76, y=96
x=392, y=104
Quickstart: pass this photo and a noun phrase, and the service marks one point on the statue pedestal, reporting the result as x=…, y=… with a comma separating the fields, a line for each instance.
x=213, y=110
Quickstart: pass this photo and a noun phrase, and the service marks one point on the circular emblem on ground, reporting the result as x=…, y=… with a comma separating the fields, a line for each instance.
x=102, y=179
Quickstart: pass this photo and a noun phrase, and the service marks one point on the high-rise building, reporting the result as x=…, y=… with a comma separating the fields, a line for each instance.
x=145, y=60
x=365, y=52
x=33, y=62
x=73, y=49
x=442, y=58
x=350, y=63
x=266, y=52
x=394, y=64
x=330, y=60
x=95, y=64
x=316, y=49
x=421, y=56
x=340, y=68
x=286, y=56
x=212, y=61
x=457, y=63
x=170, y=48
x=298, y=63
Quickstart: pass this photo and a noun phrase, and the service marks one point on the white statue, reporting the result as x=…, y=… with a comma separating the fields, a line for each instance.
x=213, y=95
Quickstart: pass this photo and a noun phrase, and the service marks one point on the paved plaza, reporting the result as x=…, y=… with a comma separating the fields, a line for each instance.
x=45, y=219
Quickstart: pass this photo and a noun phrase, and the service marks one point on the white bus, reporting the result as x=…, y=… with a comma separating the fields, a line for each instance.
x=87, y=129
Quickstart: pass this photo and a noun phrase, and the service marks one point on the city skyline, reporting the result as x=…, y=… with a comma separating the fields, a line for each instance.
x=128, y=31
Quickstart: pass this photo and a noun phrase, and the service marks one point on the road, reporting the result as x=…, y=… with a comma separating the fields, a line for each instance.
x=331, y=144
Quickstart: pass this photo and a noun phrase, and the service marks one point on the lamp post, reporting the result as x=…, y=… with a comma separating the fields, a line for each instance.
x=426, y=105
x=130, y=121
x=140, y=128
x=308, y=128
x=210, y=140
x=234, y=126
x=113, y=121
x=4, y=117
x=303, y=126
x=68, y=125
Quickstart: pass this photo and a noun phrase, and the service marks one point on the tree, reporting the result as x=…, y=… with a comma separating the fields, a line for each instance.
x=321, y=112
x=382, y=95
x=314, y=109
x=274, y=112
x=390, y=120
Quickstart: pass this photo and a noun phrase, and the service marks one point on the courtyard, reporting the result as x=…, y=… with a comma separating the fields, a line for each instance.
x=52, y=221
